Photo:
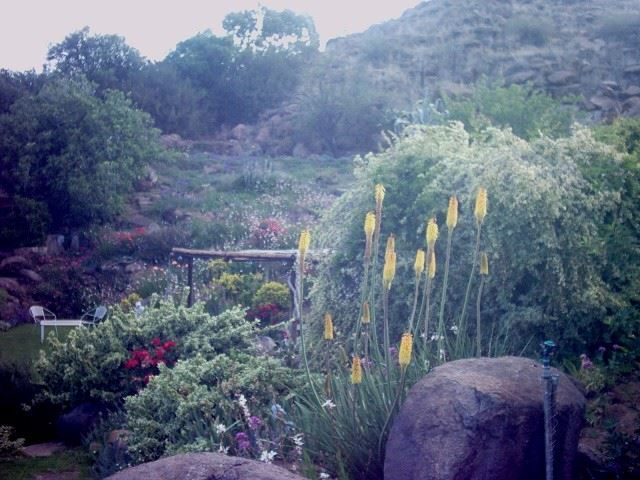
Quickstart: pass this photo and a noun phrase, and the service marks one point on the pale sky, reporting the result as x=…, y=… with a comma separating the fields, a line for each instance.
x=154, y=27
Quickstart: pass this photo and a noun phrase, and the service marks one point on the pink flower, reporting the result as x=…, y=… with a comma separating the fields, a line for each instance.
x=156, y=342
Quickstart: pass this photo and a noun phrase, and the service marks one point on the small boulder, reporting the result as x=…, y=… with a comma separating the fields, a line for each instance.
x=76, y=424
x=562, y=77
x=13, y=263
x=30, y=275
x=483, y=418
x=205, y=466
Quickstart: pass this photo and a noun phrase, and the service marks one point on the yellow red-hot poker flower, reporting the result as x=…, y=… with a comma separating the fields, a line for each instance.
x=369, y=228
x=328, y=326
x=481, y=205
x=391, y=246
x=484, y=264
x=389, y=270
x=379, y=195
x=406, y=345
x=366, y=314
x=303, y=243
x=452, y=213
x=432, y=233
x=418, y=266
x=356, y=370
x=431, y=272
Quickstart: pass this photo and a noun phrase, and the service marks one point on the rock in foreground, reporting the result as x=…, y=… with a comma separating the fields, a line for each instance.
x=483, y=418
x=205, y=466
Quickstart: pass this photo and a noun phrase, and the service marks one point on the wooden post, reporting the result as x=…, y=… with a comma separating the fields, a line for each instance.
x=190, y=281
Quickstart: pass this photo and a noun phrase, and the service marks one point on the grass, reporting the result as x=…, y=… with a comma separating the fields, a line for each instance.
x=21, y=345
x=75, y=460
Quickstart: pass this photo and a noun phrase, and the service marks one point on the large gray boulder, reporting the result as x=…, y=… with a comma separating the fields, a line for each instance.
x=483, y=418
x=205, y=466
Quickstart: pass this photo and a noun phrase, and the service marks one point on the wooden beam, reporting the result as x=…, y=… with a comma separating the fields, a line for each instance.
x=246, y=255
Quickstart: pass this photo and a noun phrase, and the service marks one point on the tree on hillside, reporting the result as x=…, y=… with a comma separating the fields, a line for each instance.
x=76, y=153
x=264, y=29
x=14, y=85
x=105, y=60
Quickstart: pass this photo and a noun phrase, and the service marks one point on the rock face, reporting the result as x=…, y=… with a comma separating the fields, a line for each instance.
x=205, y=466
x=483, y=418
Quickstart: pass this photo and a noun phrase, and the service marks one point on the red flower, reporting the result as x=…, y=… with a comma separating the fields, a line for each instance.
x=131, y=363
x=156, y=342
x=159, y=352
x=169, y=344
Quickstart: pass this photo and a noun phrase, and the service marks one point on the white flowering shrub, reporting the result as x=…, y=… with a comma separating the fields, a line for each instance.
x=542, y=233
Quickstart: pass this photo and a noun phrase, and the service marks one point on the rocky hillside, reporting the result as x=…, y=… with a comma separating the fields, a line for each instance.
x=584, y=47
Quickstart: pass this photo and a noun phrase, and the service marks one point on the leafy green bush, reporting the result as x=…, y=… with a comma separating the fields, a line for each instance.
x=90, y=364
x=26, y=223
x=273, y=292
x=527, y=111
x=196, y=406
x=9, y=447
x=542, y=232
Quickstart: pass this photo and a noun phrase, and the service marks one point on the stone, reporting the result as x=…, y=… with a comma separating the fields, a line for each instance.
x=14, y=262
x=11, y=285
x=30, y=275
x=300, y=151
x=603, y=103
x=483, y=418
x=632, y=91
x=562, y=77
x=42, y=449
x=77, y=423
x=55, y=244
x=205, y=466
x=240, y=132
x=631, y=107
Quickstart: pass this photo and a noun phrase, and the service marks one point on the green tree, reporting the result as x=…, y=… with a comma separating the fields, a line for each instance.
x=75, y=152
x=104, y=59
x=265, y=29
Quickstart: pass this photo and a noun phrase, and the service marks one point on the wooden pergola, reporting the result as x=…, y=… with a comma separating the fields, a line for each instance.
x=286, y=257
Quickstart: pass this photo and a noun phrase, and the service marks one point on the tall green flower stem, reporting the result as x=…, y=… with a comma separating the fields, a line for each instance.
x=301, y=256
x=363, y=298
x=416, y=294
x=445, y=282
x=427, y=312
x=462, y=326
x=478, y=333
x=381, y=438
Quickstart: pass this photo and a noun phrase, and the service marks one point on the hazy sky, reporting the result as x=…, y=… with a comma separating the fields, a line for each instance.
x=28, y=27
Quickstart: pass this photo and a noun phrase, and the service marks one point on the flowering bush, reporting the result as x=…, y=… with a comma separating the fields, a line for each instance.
x=143, y=363
x=268, y=314
x=94, y=358
x=224, y=404
x=267, y=233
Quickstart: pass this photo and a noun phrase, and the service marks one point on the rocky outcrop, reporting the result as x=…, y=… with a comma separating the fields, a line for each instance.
x=205, y=466
x=561, y=47
x=483, y=418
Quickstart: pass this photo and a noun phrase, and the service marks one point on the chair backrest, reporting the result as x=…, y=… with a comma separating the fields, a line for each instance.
x=36, y=312
x=100, y=313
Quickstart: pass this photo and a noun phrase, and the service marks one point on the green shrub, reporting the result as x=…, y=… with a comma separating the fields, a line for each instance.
x=8, y=447
x=542, y=232
x=527, y=111
x=196, y=406
x=94, y=358
x=273, y=292
x=27, y=223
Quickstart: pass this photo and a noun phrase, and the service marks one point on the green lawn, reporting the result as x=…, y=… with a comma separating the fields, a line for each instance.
x=75, y=460
x=21, y=345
